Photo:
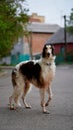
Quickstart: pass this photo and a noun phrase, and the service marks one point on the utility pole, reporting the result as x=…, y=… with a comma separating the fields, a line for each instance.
x=65, y=37
x=31, y=45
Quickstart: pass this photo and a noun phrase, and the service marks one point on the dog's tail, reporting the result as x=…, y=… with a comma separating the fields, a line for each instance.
x=14, y=74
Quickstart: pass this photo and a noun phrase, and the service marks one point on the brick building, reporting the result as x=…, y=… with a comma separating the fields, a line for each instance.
x=31, y=46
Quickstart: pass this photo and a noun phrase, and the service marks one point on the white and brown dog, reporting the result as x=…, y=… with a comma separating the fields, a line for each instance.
x=39, y=73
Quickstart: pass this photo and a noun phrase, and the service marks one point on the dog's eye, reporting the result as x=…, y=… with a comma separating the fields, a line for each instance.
x=50, y=47
x=46, y=48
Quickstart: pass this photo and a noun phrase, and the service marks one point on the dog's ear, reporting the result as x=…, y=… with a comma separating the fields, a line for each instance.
x=53, y=50
x=44, y=52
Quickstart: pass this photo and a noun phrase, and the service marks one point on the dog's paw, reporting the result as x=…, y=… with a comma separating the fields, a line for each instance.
x=46, y=112
x=28, y=107
x=12, y=107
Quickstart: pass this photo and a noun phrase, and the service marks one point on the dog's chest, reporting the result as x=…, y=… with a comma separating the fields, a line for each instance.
x=48, y=72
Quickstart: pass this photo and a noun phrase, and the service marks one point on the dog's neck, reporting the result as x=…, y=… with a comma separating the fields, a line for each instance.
x=48, y=62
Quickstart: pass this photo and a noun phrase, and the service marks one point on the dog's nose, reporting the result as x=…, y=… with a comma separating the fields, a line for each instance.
x=48, y=54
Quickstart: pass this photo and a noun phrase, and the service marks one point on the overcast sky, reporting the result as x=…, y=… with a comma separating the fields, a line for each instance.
x=53, y=10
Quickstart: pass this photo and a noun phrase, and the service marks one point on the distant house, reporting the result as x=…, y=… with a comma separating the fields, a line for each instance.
x=32, y=45
x=39, y=34
x=58, y=41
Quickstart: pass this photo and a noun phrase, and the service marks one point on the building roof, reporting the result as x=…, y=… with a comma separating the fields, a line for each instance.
x=43, y=27
x=58, y=37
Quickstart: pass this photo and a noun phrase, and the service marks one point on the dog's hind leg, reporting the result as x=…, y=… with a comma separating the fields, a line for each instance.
x=11, y=106
x=26, y=89
x=49, y=95
x=14, y=99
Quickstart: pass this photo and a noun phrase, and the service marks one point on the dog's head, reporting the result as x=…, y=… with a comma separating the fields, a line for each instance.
x=48, y=51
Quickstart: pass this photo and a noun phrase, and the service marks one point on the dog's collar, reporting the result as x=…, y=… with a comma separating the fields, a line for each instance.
x=48, y=64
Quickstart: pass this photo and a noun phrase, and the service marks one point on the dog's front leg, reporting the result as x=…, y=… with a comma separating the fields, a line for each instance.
x=42, y=93
x=50, y=95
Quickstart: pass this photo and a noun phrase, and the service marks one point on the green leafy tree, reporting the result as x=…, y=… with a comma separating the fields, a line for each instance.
x=13, y=20
x=70, y=22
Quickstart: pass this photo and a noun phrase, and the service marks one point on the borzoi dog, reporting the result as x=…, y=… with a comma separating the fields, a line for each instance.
x=39, y=73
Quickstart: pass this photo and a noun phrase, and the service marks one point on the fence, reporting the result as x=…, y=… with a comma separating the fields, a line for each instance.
x=15, y=59
x=60, y=59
